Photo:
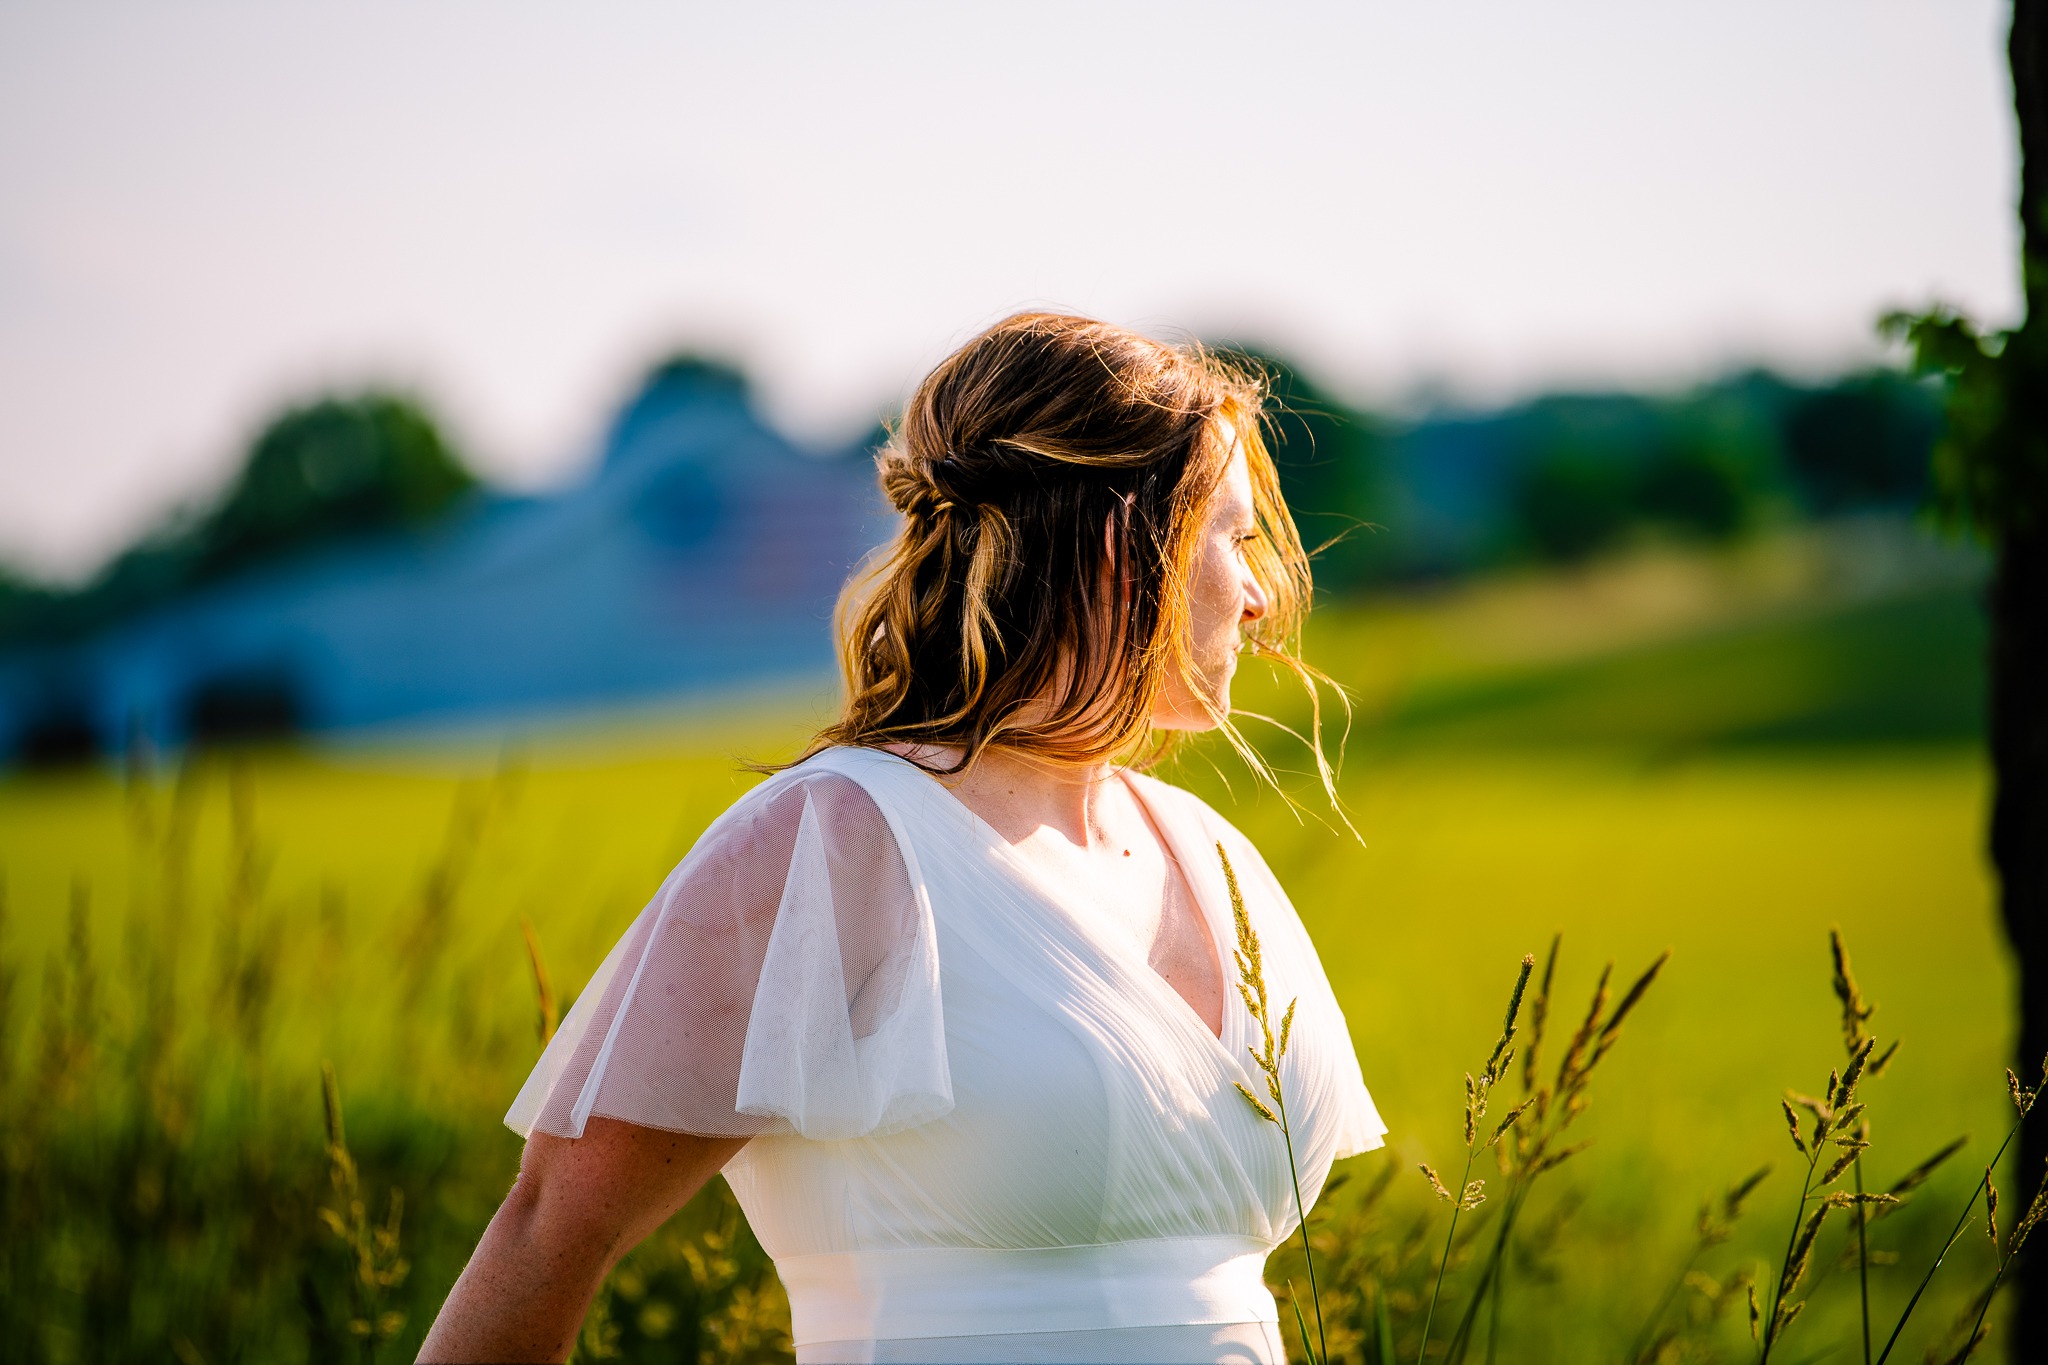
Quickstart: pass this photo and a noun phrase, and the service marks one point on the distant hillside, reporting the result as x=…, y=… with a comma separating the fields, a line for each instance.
x=1866, y=631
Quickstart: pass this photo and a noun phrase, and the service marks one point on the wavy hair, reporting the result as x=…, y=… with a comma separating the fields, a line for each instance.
x=1054, y=475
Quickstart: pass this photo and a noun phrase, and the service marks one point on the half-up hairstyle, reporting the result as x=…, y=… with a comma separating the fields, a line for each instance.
x=1054, y=476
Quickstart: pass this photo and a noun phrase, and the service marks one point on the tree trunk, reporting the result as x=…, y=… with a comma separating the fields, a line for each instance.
x=2018, y=602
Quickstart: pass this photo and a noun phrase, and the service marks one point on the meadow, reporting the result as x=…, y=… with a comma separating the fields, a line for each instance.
x=1722, y=754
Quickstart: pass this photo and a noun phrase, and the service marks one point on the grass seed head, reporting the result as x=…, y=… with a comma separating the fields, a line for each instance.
x=1819, y=1108
x=1792, y=1123
x=1731, y=1202
x=1802, y=1252
x=1508, y=1122
x=1854, y=1075
x=1915, y=1178
x=1258, y=1105
x=1990, y=1207
x=2036, y=1210
x=1436, y=1183
x=1497, y=1064
x=330, y=1102
x=1557, y=1158
x=1843, y=1199
x=1633, y=997
x=1570, y=1067
x=1841, y=1164
x=1539, y=1015
x=1969, y=1347
x=1855, y=1010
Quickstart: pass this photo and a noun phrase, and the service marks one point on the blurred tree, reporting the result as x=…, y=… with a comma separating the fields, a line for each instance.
x=1330, y=457
x=1664, y=469
x=336, y=467
x=1698, y=491
x=320, y=472
x=1570, y=505
x=1991, y=473
x=1863, y=442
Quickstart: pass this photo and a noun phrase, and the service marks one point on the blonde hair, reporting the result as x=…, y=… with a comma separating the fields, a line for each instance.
x=1054, y=475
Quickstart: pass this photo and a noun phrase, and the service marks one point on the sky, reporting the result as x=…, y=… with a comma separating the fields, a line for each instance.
x=209, y=211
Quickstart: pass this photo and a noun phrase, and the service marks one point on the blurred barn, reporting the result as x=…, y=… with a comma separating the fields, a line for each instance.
x=704, y=554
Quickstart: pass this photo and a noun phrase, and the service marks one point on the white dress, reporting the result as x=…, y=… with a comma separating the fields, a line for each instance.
x=984, y=1128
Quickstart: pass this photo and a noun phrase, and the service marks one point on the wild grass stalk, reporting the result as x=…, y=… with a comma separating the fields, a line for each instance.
x=1834, y=1125
x=1550, y=1109
x=1856, y=1012
x=1267, y=1058
x=376, y=1264
x=2023, y=1100
x=547, y=1016
x=1478, y=1094
x=1714, y=1226
x=2006, y=1254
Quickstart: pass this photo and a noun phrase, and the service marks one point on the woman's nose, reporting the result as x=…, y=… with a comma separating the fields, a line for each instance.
x=1256, y=603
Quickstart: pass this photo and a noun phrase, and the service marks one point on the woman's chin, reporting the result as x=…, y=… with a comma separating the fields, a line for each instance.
x=1191, y=716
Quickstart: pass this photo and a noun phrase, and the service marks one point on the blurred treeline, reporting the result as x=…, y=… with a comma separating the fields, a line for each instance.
x=1562, y=479
x=330, y=470
x=1558, y=479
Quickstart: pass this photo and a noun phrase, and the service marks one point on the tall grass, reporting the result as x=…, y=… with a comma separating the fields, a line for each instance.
x=178, y=1179
x=1377, y=1264
x=180, y=951
x=167, y=1155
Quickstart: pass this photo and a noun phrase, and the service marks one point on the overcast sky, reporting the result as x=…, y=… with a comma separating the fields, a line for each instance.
x=207, y=210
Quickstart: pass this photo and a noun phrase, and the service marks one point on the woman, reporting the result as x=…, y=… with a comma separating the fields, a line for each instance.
x=945, y=999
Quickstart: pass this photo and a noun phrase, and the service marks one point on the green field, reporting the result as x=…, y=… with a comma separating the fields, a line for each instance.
x=1722, y=756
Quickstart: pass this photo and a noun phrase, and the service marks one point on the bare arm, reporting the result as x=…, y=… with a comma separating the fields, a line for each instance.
x=577, y=1207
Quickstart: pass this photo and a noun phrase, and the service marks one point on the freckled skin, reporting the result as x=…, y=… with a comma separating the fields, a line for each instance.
x=579, y=1205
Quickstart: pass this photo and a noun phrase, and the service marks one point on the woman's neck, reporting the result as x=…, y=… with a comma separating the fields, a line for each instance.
x=1019, y=795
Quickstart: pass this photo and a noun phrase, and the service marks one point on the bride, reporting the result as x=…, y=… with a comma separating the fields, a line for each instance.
x=948, y=1000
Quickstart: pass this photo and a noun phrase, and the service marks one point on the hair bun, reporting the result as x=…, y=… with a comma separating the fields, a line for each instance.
x=925, y=488
x=904, y=484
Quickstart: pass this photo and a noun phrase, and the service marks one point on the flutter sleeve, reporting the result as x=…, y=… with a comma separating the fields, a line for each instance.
x=785, y=978
x=1328, y=1062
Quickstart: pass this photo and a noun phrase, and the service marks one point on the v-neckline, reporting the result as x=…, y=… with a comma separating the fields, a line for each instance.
x=1177, y=863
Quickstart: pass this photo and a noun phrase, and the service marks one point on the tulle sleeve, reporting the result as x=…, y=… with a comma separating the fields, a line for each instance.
x=783, y=979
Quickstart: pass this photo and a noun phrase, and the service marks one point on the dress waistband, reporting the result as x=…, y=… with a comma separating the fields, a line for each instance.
x=974, y=1291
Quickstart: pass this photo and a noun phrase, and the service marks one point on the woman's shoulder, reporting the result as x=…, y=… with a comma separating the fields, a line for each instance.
x=824, y=790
